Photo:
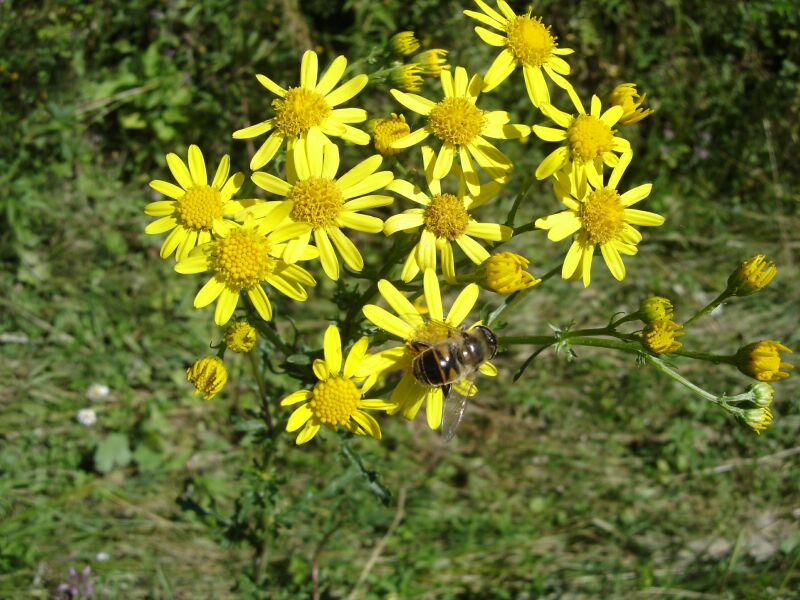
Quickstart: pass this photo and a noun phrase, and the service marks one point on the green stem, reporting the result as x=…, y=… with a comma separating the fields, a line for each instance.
x=262, y=391
x=512, y=214
x=659, y=364
x=717, y=359
x=709, y=307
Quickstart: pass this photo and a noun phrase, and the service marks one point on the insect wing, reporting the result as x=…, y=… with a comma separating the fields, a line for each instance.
x=452, y=413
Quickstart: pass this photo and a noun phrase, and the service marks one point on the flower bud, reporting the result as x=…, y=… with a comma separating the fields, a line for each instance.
x=762, y=360
x=758, y=419
x=505, y=273
x=208, y=375
x=660, y=336
x=432, y=62
x=626, y=96
x=762, y=393
x=751, y=276
x=407, y=77
x=240, y=337
x=404, y=43
x=655, y=308
x=386, y=131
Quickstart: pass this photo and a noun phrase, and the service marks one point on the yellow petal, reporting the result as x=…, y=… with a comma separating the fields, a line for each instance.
x=433, y=407
x=308, y=70
x=332, y=349
x=209, y=292
x=327, y=256
x=168, y=189
x=433, y=295
x=332, y=76
x=385, y=320
x=271, y=184
x=197, y=166
x=347, y=90
x=347, y=249
x=258, y=297
x=162, y=225
x=179, y=170
x=271, y=85
x=360, y=222
x=267, y=150
x=490, y=37
x=414, y=102
x=355, y=357
x=226, y=304
x=500, y=69
x=299, y=418
x=297, y=397
x=399, y=303
x=463, y=305
x=474, y=251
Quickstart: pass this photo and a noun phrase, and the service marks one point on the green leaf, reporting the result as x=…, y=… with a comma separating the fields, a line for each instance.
x=112, y=452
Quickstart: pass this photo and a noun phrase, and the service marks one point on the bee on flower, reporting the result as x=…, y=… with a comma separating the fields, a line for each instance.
x=417, y=331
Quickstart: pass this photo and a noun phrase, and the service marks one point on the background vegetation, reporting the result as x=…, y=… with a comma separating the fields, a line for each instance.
x=586, y=479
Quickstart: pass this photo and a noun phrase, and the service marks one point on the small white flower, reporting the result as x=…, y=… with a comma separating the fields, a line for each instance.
x=87, y=417
x=97, y=391
x=102, y=556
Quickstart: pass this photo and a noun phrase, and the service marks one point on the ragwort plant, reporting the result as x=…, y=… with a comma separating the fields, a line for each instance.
x=394, y=345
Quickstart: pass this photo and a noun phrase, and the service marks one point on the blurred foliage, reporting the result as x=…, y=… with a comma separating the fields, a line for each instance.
x=592, y=480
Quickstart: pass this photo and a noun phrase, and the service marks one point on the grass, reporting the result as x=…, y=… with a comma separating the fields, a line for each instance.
x=590, y=478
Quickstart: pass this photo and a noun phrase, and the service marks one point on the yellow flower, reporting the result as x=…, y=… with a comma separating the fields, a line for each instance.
x=762, y=360
x=386, y=131
x=407, y=77
x=762, y=393
x=758, y=419
x=526, y=42
x=655, y=308
x=599, y=217
x=660, y=336
x=307, y=112
x=410, y=326
x=444, y=219
x=316, y=201
x=404, y=43
x=244, y=258
x=589, y=141
x=505, y=273
x=240, y=337
x=432, y=61
x=196, y=209
x=626, y=96
x=461, y=126
x=208, y=375
x=337, y=398
x=751, y=276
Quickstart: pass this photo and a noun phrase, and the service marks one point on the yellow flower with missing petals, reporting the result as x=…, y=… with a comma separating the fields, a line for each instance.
x=599, y=217
x=432, y=61
x=404, y=43
x=410, y=326
x=208, y=375
x=751, y=276
x=527, y=43
x=462, y=128
x=589, y=141
x=386, y=131
x=319, y=203
x=444, y=219
x=337, y=399
x=504, y=273
x=240, y=337
x=762, y=360
x=197, y=209
x=660, y=336
x=626, y=96
x=308, y=111
x=246, y=257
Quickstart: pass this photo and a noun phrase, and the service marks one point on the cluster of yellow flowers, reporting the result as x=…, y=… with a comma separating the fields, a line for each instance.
x=247, y=245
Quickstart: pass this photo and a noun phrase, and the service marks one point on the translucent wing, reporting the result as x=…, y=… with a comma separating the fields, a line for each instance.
x=455, y=404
